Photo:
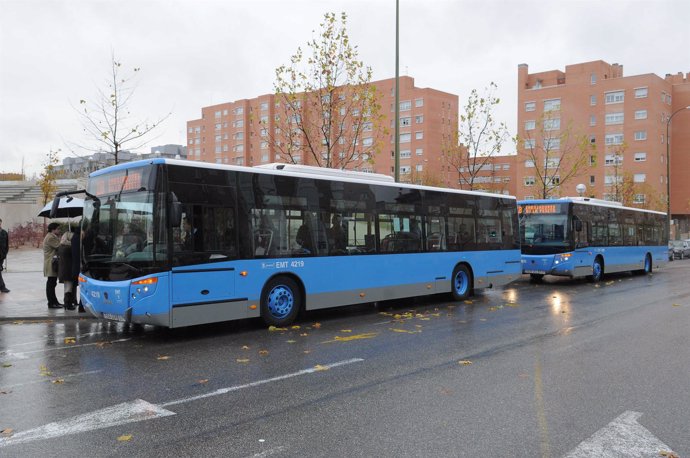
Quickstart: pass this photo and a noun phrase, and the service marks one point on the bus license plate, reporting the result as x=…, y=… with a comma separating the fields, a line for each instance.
x=542, y=272
x=112, y=316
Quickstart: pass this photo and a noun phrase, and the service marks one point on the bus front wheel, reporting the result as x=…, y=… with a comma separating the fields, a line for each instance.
x=597, y=271
x=281, y=301
x=461, y=283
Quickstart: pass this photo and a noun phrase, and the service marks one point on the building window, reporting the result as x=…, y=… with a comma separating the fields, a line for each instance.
x=264, y=106
x=406, y=121
x=530, y=106
x=419, y=102
x=613, y=139
x=552, y=124
x=405, y=154
x=218, y=149
x=530, y=125
x=405, y=138
x=405, y=105
x=592, y=180
x=639, y=177
x=419, y=135
x=592, y=100
x=405, y=169
x=419, y=119
x=613, y=159
x=264, y=145
x=614, y=97
x=530, y=143
x=611, y=179
x=593, y=78
x=551, y=144
x=529, y=163
x=238, y=148
x=239, y=123
x=552, y=163
x=592, y=120
x=217, y=114
x=613, y=118
x=218, y=138
x=640, y=135
x=368, y=141
x=419, y=167
x=239, y=110
x=641, y=114
x=419, y=151
x=640, y=157
x=529, y=181
x=552, y=105
x=638, y=198
x=640, y=92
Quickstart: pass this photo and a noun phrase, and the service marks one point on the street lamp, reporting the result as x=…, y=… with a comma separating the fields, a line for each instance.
x=668, y=169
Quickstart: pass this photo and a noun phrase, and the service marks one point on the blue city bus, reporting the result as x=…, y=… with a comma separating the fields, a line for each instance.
x=177, y=243
x=583, y=237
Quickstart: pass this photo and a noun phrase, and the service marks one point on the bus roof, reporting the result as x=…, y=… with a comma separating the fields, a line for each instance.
x=295, y=171
x=587, y=201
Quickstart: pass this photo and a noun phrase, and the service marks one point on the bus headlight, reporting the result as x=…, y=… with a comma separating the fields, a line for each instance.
x=564, y=257
x=144, y=287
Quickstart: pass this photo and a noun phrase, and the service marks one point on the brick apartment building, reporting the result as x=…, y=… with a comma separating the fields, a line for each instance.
x=624, y=119
x=239, y=132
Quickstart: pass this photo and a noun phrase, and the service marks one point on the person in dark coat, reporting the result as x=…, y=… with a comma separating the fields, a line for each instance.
x=51, y=243
x=64, y=252
x=4, y=249
x=76, y=267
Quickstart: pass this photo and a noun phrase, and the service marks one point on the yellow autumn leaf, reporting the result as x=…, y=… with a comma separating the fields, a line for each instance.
x=7, y=365
x=6, y=431
x=468, y=301
x=464, y=362
x=304, y=334
x=608, y=283
x=202, y=381
x=346, y=330
x=676, y=305
x=163, y=358
x=70, y=340
x=295, y=327
x=319, y=367
x=263, y=352
x=102, y=344
x=316, y=325
x=245, y=347
x=125, y=438
x=291, y=341
x=275, y=329
x=242, y=360
x=404, y=331
x=58, y=381
x=368, y=335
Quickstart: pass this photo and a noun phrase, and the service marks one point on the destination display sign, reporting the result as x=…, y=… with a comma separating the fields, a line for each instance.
x=539, y=208
x=116, y=182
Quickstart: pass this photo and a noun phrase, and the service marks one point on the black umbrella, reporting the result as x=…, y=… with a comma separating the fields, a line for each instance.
x=69, y=207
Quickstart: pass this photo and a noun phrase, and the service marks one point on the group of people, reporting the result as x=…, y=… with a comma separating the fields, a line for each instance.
x=61, y=262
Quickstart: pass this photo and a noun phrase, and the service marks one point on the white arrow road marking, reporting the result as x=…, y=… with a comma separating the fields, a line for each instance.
x=138, y=410
x=624, y=437
x=119, y=414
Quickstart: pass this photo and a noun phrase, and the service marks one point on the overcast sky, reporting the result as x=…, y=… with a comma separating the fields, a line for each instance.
x=198, y=53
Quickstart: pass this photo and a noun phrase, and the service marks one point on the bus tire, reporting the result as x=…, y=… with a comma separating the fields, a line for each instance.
x=461, y=283
x=536, y=278
x=597, y=270
x=281, y=301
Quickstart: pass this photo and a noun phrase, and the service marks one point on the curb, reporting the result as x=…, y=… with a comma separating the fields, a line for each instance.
x=7, y=319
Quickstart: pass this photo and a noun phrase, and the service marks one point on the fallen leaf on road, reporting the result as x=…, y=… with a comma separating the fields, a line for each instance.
x=242, y=360
x=5, y=392
x=163, y=358
x=608, y=283
x=368, y=335
x=70, y=340
x=468, y=302
x=45, y=372
x=295, y=327
x=58, y=381
x=125, y=438
x=102, y=344
x=404, y=331
x=316, y=325
x=346, y=330
x=290, y=341
x=676, y=305
x=319, y=367
x=464, y=362
x=245, y=347
x=512, y=304
x=7, y=365
x=6, y=432
x=202, y=381
x=263, y=352
x=275, y=329
x=304, y=334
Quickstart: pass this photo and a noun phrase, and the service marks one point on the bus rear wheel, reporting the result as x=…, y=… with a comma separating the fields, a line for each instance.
x=281, y=301
x=461, y=283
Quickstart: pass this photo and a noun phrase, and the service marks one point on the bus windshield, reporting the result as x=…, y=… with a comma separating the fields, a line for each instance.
x=544, y=233
x=121, y=238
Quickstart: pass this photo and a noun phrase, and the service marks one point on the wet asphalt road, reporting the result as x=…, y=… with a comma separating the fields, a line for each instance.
x=531, y=370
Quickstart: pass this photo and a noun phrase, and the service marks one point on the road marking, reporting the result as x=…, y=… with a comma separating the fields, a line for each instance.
x=270, y=452
x=23, y=354
x=119, y=414
x=623, y=437
x=261, y=382
x=45, y=379
x=138, y=410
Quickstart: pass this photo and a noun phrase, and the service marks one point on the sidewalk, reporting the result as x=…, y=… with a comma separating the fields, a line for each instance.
x=27, y=297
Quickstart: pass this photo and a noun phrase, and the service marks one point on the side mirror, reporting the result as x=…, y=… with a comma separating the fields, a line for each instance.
x=578, y=225
x=175, y=212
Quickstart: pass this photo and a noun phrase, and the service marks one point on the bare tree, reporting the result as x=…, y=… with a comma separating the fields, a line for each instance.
x=327, y=111
x=479, y=138
x=557, y=154
x=107, y=120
